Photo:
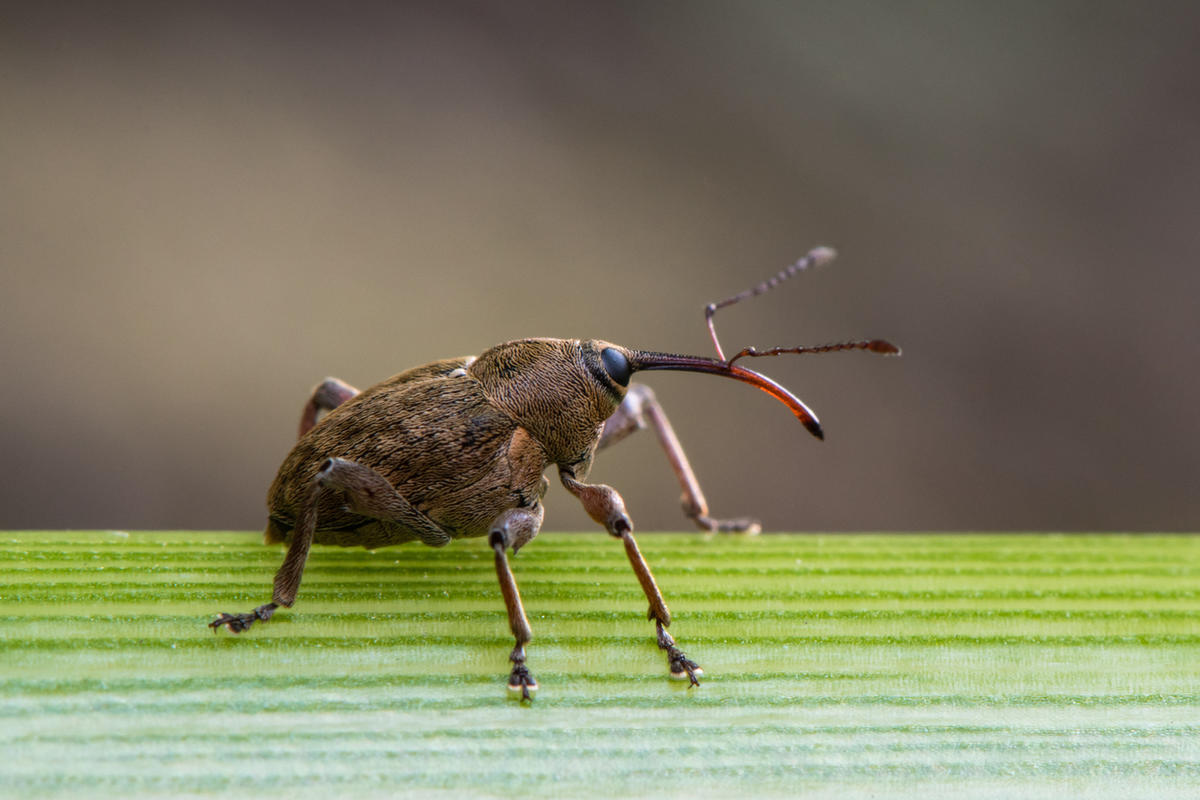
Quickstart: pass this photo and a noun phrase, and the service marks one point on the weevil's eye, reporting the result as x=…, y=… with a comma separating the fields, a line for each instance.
x=616, y=365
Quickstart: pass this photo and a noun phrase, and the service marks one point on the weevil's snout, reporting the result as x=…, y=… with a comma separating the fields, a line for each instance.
x=639, y=360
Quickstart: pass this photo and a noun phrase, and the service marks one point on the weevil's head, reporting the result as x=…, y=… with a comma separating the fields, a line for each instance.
x=562, y=390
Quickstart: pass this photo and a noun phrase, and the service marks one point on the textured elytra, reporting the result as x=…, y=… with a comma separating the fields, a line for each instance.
x=435, y=438
x=461, y=440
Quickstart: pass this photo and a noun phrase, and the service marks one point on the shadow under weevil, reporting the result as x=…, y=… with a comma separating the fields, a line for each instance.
x=457, y=448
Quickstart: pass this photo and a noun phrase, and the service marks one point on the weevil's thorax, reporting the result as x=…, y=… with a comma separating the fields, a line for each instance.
x=557, y=389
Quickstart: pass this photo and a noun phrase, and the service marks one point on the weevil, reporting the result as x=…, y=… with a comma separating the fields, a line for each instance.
x=458, y=448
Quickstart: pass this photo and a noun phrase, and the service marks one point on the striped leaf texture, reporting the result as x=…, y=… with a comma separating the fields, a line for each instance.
x=839, y=666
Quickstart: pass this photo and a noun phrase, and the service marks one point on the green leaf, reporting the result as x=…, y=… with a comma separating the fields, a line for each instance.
x=841, y=666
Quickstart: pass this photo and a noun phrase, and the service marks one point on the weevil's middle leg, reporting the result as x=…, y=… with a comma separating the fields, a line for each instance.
x=639, y=409
x=368, y=493
x=604, y=505
x=514, y=528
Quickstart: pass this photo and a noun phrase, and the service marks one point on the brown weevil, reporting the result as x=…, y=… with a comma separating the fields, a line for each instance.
x=457, y=448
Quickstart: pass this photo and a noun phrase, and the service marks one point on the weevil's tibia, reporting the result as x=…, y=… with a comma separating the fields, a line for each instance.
x=815, y=258
x=658, y=606
x=514, y=527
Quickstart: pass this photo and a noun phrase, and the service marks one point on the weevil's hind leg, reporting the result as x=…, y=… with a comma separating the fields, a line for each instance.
x=366, y=492
x=514, y=528
x=605, y=506
x=327, y=395
x=641, y=409
x=287, y=579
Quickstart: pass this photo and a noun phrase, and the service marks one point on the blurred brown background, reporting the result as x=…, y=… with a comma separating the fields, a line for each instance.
x=206, y=209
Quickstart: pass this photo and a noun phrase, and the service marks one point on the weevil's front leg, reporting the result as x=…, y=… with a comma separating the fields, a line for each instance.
x=681, y=667
x=327, y=395
x=514, y=528
x=639, y=409
x=604, y=505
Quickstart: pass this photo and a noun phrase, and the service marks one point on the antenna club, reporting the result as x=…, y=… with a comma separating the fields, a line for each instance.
x=883, y=348
x=821, y=256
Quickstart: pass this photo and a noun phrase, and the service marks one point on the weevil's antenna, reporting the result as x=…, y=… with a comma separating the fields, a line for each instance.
x=870, y=345
x=815, y=258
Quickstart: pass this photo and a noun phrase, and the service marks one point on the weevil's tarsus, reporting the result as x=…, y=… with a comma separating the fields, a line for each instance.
x=640, y=409
x=679, y=665
x=236, y=623
x=747, y=526
x=814, y=258
x=521, y=683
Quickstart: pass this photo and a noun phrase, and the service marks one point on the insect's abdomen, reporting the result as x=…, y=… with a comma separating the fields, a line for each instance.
x=451, y=454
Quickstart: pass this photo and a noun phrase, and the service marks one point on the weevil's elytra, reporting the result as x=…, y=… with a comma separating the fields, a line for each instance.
x=458, y=448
